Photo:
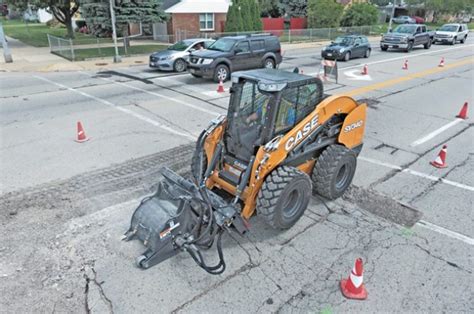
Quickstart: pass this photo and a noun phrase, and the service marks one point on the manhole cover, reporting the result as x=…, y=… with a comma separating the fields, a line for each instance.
x=101, y=64
x=138, y=61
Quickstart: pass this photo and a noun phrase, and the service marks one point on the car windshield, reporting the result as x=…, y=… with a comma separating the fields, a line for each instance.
x=448, y=28
x=344, y=41
x=405, y=29
x=179, y=46
x=223, y=44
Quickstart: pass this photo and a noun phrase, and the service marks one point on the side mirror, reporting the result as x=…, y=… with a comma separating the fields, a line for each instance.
x=390, y=30
x=356, y=45
x=192, y=50
x=237, y=50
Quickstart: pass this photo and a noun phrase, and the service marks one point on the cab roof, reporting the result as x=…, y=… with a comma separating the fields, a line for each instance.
x=273, y=76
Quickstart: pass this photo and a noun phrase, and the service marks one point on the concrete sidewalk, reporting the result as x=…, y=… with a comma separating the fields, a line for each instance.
x=33, y=59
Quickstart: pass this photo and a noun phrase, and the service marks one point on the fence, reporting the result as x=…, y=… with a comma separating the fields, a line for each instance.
x=294, y=35
x=93, y=47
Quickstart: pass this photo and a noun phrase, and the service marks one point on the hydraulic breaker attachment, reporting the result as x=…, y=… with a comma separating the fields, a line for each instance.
x=181, y=216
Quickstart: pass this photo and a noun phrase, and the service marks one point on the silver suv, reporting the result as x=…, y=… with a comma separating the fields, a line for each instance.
x=451, y=33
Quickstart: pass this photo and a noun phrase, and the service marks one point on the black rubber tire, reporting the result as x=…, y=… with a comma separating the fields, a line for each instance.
x=410, y=46
x=384, y=48
x=284, y=187
x=347, y=56
x=217, y=70
x=464, y=39
x=182, y=65
x=454, y=41
x=367, y=53
x=427, y=45
x=195, y=164
x=328, y=168
x=266, y=63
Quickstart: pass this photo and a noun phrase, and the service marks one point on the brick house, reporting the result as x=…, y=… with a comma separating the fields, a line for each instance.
x=189, y=17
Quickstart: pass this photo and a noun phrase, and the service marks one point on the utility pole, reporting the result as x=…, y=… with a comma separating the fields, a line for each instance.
x=6, y=51
x=117, y=57
x=391, y=16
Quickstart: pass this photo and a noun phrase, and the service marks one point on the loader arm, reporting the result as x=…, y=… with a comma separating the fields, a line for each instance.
x=266, y=162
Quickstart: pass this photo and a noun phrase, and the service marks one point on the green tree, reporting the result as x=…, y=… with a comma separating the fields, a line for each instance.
x=97, y=14
x=62, y=10
x=270, y=8
x=324, y=13
x=440, y=7
x=294, y=8
x=256, y=14
x=233, y=23
x=360, y=14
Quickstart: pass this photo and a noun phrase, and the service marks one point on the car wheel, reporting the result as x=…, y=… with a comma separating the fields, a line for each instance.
x=427, y=45
x=179, y=65
x=463, y=40
x=409, y=47
x=269, y=63
x=454, y=41
x=384, y=48
x=367, y=53
x=347, y=56
x=221, y=73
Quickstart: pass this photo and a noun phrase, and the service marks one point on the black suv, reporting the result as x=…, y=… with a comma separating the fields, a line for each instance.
x=236, y=53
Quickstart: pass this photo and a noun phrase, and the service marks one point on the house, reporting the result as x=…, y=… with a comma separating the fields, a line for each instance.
x=192, y=17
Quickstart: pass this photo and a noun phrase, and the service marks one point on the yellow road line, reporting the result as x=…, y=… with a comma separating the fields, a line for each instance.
x=398, y=80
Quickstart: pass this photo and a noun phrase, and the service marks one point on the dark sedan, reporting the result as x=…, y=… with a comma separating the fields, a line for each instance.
x=347, y=47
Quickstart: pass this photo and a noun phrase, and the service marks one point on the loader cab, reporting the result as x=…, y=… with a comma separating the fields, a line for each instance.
x=265, y=103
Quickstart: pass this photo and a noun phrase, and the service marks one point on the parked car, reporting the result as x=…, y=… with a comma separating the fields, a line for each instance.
x=418, y=19
x=403, y=19
x=347, y=47
x=406, y=37
x=235, y=53
x=451, y=33
x=174, y=58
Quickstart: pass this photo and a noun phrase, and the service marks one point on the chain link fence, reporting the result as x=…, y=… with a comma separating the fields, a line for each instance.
x=61, y=46
x=94, y=47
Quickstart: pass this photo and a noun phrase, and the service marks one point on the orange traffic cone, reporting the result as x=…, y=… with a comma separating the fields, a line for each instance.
x=365, y=70
x=405, y=65
x=353, y=287
x=440, y=161
x=81, y=135
x=463, y=113
x=220, y=88
x=441, y=63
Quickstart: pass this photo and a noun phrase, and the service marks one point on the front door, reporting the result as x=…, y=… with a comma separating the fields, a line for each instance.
x=242, y=58
x=248, y=107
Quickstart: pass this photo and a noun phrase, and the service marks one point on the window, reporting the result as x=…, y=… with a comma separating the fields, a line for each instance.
x=423, y=29
x=296, y=103
x=257, y=45
x=206, y=21
x=243, y=47
x=358, y=41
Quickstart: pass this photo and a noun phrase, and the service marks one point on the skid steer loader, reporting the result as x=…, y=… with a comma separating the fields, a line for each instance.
x=281, y=140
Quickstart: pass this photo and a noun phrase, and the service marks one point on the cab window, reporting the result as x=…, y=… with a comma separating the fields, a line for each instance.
x=296, y=103
x=257, y=45
x=358, y=41
x=423, y=29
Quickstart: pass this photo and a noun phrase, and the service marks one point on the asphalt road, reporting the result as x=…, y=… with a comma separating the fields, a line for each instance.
x=64, y=205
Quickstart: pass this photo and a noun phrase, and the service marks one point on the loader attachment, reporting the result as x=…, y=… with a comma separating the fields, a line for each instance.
x=181, y=216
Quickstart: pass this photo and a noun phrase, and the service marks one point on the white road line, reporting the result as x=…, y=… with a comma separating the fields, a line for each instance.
x=403, y=57
x=446, y=232
x=418, y=174
x=184, y=103
x=124, y=110
x=435, y=132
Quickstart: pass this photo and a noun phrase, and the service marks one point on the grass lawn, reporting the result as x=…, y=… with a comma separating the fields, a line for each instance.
x=82, y=54
x=34, y=34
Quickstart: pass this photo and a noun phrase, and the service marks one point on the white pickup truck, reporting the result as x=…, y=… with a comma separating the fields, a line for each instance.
x=451, y=33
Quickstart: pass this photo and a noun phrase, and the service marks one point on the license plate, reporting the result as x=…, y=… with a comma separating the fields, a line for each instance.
x=192, y=70
x=329, y=54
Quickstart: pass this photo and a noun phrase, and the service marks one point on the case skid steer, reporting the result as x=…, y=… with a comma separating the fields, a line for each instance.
x=281, y=140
